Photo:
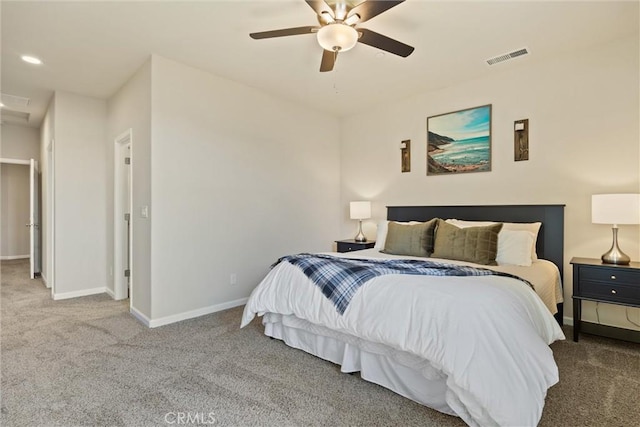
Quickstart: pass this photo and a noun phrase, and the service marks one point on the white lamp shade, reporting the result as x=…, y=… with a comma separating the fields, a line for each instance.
x=337, y=37
x=360, y=210
x=615, y=209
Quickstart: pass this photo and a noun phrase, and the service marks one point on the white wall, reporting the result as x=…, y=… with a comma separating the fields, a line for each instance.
x=20, y=142
x=80, y=195
x=583, y=112
x=130, y=108
x=239, y=178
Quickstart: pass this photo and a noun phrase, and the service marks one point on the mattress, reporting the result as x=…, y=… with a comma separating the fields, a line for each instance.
x=484, y=339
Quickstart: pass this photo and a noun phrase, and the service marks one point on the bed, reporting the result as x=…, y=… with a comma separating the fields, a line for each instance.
x=473, y=347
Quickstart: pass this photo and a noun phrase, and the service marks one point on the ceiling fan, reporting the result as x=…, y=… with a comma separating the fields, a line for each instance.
x=337, y=31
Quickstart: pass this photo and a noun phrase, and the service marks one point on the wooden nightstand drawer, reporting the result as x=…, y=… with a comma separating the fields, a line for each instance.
x=610, y=275
x=352, y=245
x=609, y=291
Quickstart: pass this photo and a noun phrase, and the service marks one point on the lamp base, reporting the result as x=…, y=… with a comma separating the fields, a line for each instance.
x=619, y=258
x=360, y=237
x=615, y=255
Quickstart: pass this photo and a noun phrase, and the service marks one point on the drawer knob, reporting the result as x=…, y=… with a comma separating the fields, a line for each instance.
x=613, y=277
x=613, y=291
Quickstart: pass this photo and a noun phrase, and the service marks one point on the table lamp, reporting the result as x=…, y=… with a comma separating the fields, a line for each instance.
x=615, y=209
x=360, y=211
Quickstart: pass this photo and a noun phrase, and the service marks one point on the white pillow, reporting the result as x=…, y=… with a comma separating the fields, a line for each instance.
x=514, y=247
x=532, y=227
x=381, y=236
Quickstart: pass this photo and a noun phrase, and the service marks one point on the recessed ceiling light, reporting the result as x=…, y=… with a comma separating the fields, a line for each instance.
x=31, y=60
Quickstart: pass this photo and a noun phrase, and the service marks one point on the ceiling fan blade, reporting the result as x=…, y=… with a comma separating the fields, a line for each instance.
x=284, y=32
x=385, y=43
x=319, y=6
x=371, y=8
x=328, y=60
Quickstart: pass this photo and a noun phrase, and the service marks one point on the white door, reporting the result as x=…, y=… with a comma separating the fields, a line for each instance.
x=34, y=220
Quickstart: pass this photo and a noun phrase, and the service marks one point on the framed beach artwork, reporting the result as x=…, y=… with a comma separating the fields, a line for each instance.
x=459, y=142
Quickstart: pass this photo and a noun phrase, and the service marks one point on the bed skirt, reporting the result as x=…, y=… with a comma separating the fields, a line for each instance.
x=403, y=373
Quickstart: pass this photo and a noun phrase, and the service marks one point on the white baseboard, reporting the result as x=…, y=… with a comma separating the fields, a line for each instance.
x=45, y=281
x=568, y=320
x=110, y=293
x=10, y=257
x=141, y=317
x=82, y=293
x=154, y=323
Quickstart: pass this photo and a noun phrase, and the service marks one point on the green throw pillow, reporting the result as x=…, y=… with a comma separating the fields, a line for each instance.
x=410, y=239
x=472, y=244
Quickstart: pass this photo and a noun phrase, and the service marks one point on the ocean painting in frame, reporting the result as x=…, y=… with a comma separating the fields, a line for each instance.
x=459, y=142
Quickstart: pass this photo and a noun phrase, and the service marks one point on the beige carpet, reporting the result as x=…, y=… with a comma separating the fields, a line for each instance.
x=87, y=362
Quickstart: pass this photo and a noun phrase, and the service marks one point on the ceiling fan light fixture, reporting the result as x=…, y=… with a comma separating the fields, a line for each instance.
x=337, y=37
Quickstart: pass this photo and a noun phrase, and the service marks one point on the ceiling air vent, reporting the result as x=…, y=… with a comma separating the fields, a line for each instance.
x=15, y=101
x=507, y=56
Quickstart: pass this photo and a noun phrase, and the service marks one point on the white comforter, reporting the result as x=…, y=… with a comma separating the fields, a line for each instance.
x=489, y=335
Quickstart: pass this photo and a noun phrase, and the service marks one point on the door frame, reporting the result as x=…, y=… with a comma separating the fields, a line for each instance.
x=35, y=242
x=120, y=284
x=32, y=250
x=50, y=213
x=15, y=161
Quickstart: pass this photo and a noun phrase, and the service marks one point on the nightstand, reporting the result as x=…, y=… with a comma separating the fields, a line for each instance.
x=351, y=245
x=607, y=283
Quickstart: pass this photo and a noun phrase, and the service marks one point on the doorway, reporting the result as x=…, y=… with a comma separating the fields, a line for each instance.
x=122, y=220
x=15, y=217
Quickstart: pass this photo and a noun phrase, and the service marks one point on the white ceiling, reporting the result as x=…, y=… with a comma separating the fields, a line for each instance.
x=92, y=48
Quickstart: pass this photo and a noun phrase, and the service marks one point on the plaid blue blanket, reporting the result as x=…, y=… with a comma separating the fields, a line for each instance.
x=340, y=278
